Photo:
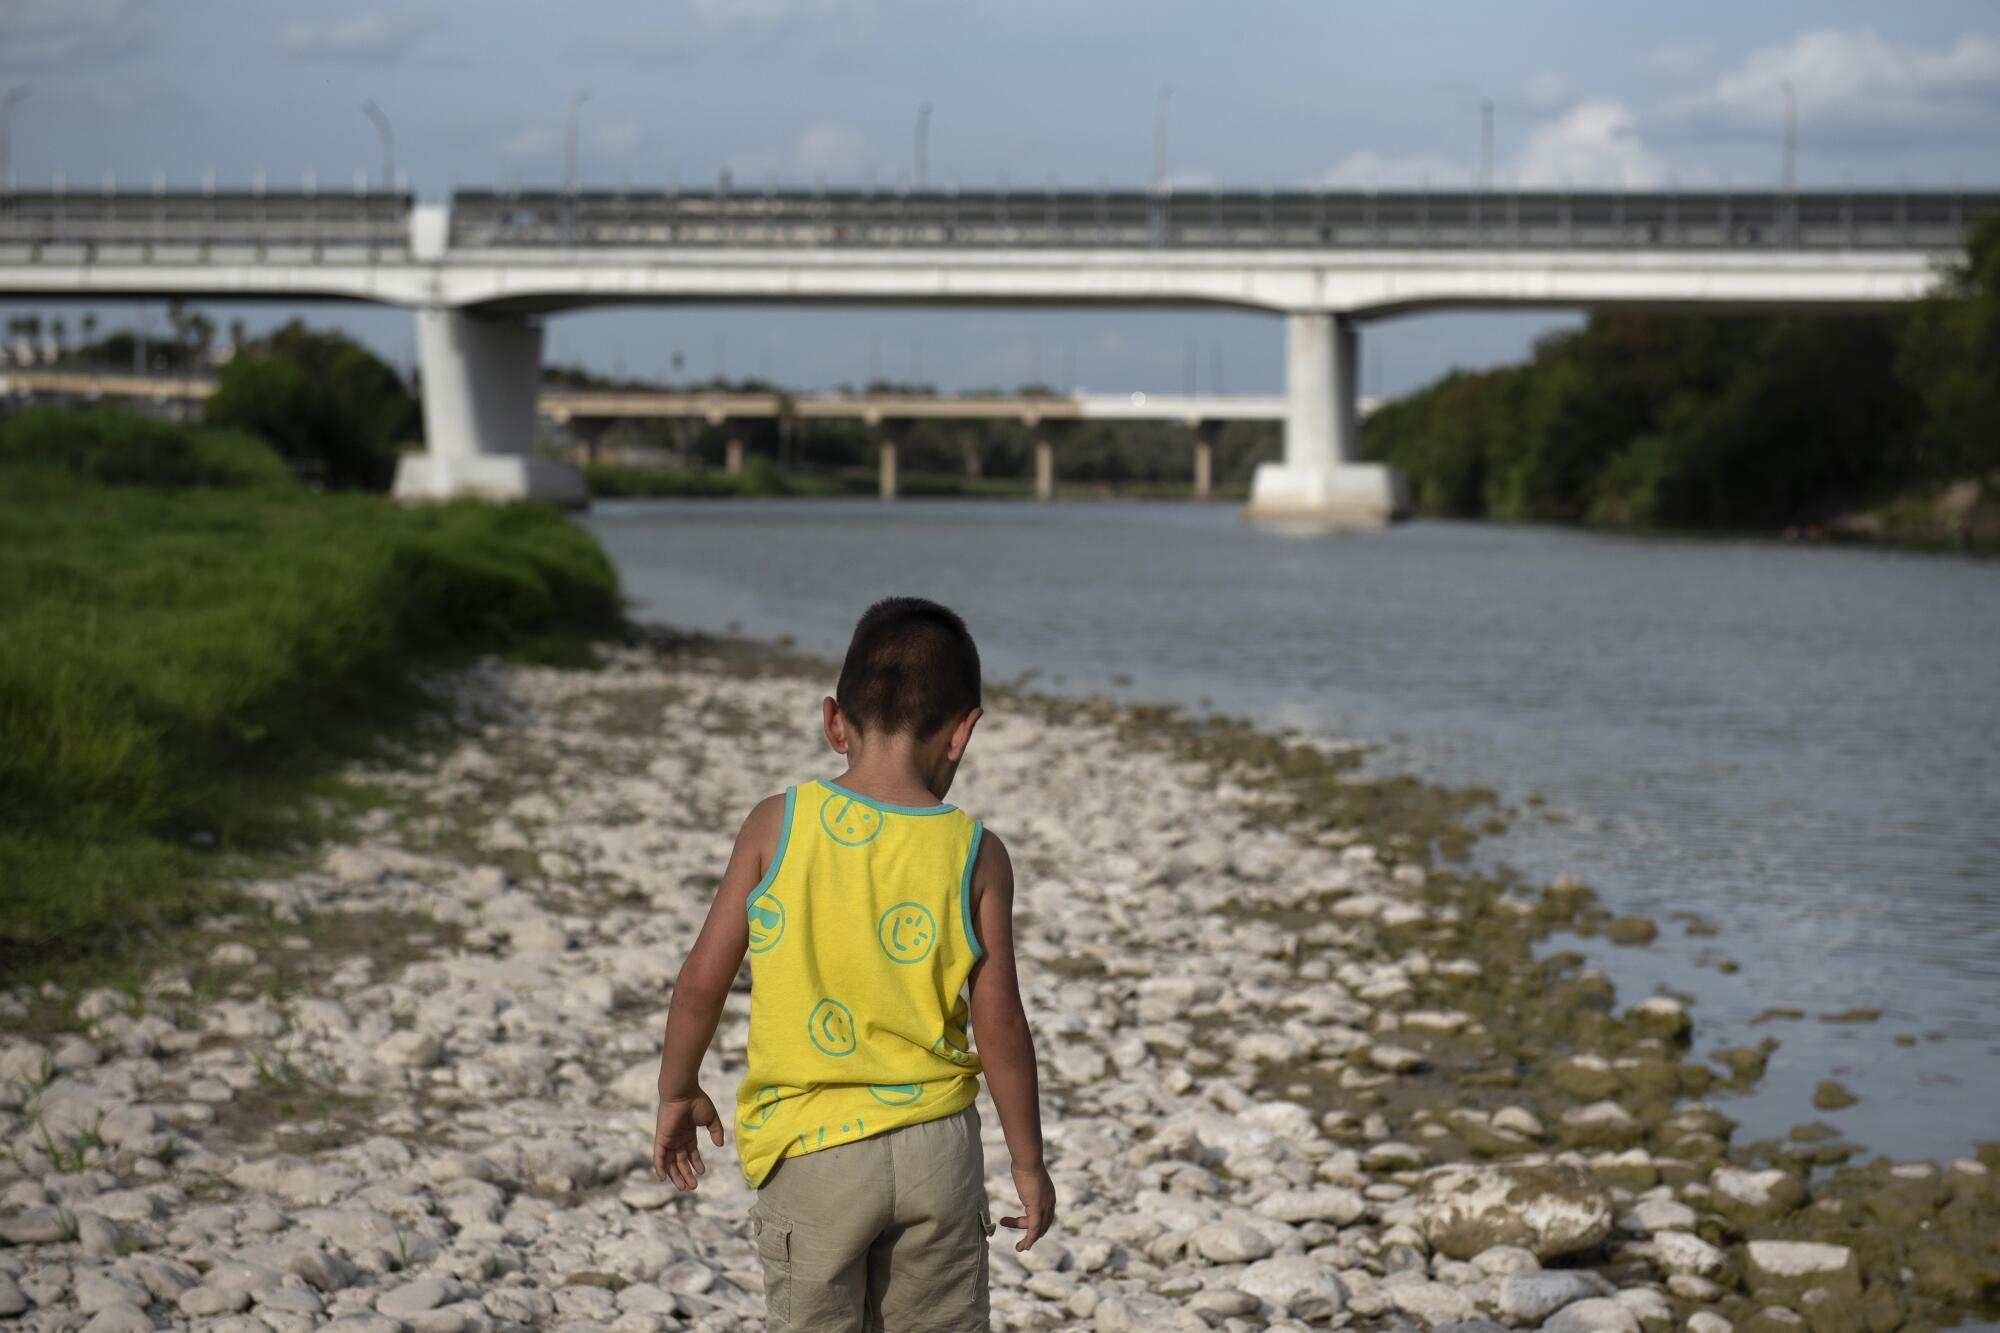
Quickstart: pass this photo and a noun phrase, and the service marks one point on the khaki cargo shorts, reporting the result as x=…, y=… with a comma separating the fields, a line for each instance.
x=885, y=1235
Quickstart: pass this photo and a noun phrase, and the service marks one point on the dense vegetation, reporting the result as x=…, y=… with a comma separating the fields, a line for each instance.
x=188, y=635
x=331, y=407
x=1703, y=421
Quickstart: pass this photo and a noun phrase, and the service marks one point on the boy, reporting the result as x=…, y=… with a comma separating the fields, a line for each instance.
x=865, y=904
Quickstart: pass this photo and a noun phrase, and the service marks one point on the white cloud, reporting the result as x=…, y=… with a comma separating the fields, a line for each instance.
x=822, y=155
x=1857, y=88
x=373, y=36
x=1592, y=144
x=44, y=36
x=1371, y=171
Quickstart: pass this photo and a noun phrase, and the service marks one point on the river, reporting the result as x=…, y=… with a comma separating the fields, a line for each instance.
x=1796, y=744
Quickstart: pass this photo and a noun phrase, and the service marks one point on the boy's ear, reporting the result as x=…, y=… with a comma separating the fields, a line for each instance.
x=834, y=724
x=961, y=735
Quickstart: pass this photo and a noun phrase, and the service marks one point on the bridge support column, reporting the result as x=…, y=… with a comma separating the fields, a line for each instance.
x=1321, y=483
x=732, y=456
x=1045, y=470
x=480, y=381
x=1204, y=460
x=888, y=468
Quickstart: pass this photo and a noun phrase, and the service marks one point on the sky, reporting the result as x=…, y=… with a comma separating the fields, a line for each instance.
x=1257, y=93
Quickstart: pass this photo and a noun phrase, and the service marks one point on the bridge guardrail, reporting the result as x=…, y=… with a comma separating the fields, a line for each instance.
x=1218, y=220
x=378, y=225
x=377, y=222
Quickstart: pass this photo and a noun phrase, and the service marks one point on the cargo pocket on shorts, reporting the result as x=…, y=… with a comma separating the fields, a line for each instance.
x=774, y=1249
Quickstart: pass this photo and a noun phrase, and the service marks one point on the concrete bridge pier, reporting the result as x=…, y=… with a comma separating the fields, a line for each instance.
x=1204, y=458
x=888, y=435
x=480, y=381
x=1045, y=469
x=732, y=456
x=1322, y=482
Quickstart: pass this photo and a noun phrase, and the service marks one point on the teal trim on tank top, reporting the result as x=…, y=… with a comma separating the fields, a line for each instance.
x=884, y=806
x=965, y=891
x=777, y=857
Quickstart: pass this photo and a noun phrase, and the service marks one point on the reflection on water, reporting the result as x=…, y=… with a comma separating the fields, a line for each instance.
x=1798, y=744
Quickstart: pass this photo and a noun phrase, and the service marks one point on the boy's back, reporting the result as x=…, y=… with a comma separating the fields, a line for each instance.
x=860, y=943
x=879, y=925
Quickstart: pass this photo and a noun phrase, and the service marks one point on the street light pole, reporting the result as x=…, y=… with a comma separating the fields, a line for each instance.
x=921, y=167
x=374, y=113
x=1485, y=145
x=6, y=136
x=569, y=154
x=569, y=167
x=1160, y=140
x=1791, y=159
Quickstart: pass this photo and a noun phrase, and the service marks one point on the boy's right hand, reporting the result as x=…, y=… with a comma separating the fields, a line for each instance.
x=676, y=1143
x=1038, y=1205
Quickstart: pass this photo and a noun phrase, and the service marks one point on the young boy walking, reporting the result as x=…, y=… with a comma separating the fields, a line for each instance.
x=867, y=906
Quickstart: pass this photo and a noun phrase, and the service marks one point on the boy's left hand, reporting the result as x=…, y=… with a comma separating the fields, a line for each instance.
x=676, y=1142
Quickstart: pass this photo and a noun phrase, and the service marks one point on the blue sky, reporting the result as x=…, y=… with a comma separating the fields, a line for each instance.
x=798, y=92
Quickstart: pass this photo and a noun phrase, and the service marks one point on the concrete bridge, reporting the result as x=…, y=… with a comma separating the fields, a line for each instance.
x=481, y=271
x=587, y=412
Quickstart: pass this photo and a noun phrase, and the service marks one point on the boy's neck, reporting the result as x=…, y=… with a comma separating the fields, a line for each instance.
x=896, y=769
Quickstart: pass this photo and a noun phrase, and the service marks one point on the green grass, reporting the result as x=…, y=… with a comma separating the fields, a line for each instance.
x=182, y=662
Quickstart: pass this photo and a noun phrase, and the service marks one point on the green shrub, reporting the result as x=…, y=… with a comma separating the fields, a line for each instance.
x=178, y=667
x=120, y=448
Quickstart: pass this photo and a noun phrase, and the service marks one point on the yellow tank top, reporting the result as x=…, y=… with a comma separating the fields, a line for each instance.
x=860, y=943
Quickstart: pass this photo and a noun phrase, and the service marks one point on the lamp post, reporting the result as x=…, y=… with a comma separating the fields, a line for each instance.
x=6, y=131
x=374, y=113
x=569, y=152
x=569, y=167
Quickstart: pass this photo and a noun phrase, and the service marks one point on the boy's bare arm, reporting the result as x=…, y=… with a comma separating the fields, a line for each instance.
x=1006, y=1047
x=700, y=991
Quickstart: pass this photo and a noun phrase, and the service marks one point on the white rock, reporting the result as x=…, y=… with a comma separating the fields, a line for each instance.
x=1529, y=1298
x=119, y=1318
x=1229, y=1243
x=1320, y=1203
x=1794, y=1265
x=426, y=1293
x=100, y=1291
x=410, y=1050
x=1596, y=1315
x=1286, y=1280
x=1435, y=1303
x=1650, y=1215
x=1684, y=1252
x=209, y=1302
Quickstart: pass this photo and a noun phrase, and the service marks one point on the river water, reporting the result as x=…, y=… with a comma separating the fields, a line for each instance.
x=1801, y=745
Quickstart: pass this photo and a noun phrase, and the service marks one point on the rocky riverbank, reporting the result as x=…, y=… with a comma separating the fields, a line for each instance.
x=1300, y=1073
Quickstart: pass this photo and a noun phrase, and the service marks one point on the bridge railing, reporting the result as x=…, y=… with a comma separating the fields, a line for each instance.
x=1218, y=220
x=378, y=224
x=314, y=223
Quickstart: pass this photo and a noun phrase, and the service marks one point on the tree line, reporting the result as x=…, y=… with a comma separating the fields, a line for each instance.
x=1717, y=421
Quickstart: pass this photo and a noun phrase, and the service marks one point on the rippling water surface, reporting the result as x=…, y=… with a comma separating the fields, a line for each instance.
x=1798, y=744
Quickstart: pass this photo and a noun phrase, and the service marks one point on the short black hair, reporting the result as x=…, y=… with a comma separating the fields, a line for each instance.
x=911, y=667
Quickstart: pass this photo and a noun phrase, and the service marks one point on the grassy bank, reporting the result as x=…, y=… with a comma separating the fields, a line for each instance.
x=188, y=638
